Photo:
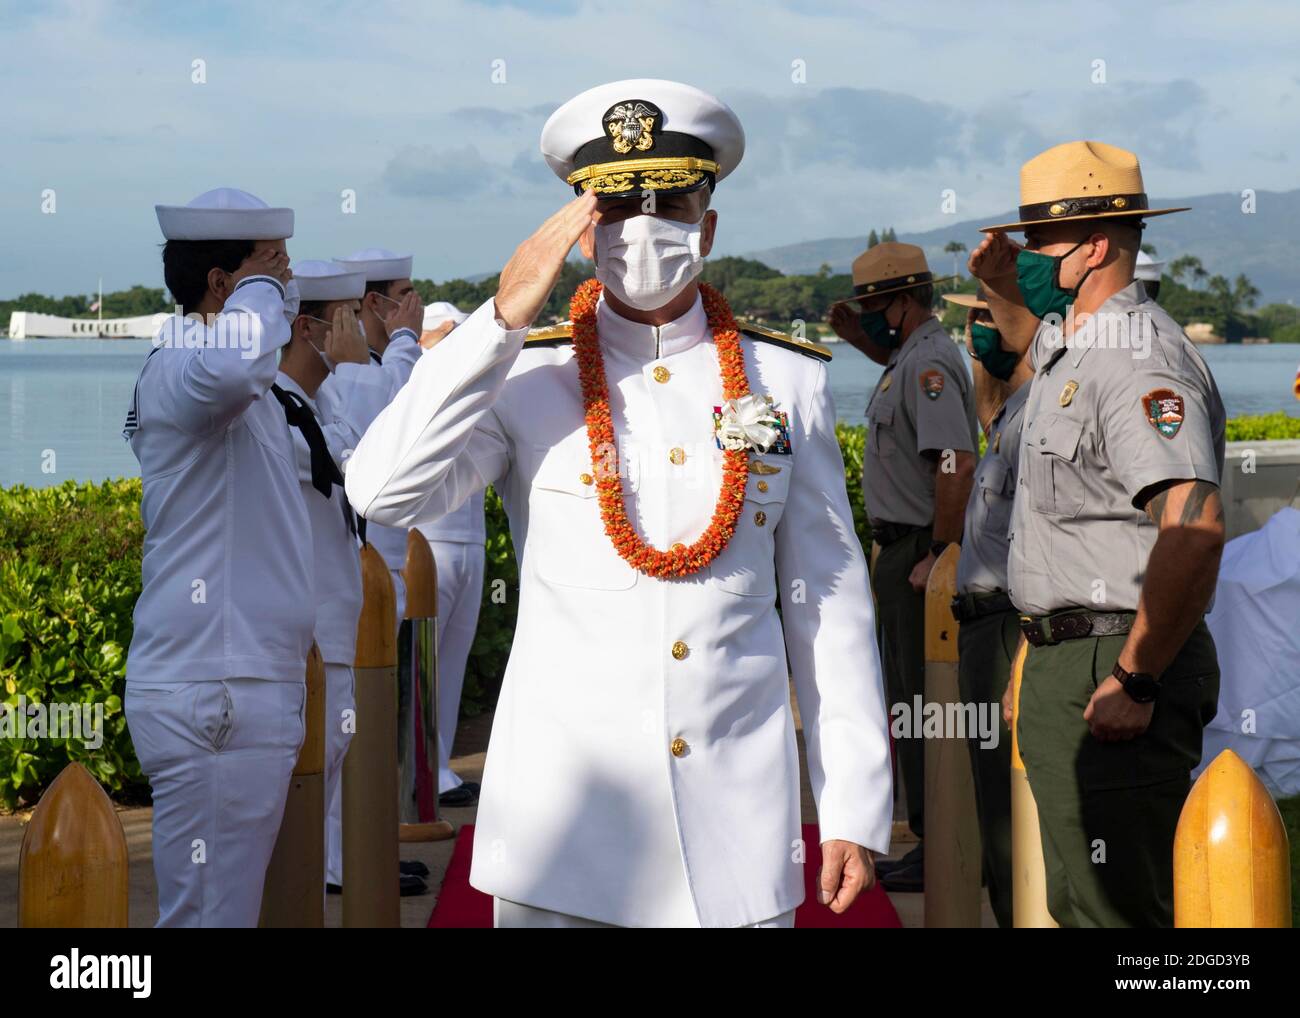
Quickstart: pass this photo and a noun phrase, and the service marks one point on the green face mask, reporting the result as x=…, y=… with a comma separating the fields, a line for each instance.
x=987, y=344
x=878, y=329
x=1038, y=277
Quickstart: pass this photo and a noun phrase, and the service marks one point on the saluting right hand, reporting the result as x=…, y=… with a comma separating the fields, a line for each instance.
x=530, y=275
x=994, y=257
x=267, y=262
x=409, y=314
x=846, y=324
x=344, y=343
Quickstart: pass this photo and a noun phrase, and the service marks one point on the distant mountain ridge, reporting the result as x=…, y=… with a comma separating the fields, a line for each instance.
x=1265, y=244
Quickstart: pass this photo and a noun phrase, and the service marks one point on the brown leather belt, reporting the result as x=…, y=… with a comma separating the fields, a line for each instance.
x=1073, y=624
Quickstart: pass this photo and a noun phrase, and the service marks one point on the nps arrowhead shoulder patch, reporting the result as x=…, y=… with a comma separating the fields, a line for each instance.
x=1164, y=411
x=931, y=383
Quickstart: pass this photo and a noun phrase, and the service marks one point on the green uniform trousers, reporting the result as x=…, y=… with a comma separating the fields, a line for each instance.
x=901, y=614
x=1108, y=810
x=986, y=647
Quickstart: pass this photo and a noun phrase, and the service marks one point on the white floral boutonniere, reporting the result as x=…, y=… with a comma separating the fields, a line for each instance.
x=750, y=422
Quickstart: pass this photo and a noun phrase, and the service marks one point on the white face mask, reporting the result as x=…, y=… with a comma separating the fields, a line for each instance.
x=645, y=261
x=291, y=300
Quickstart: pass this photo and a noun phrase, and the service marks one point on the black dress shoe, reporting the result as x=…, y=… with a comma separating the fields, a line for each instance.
x=408, y=885
x=905, y=879
x=914, y=856
x=413, y=867
x=464, y=794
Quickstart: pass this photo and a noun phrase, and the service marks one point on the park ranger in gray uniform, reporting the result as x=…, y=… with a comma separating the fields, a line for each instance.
x=990, y=624
x=917, y=469
x=1116, y=535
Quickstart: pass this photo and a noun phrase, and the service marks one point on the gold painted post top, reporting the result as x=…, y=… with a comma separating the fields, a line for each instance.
x=1017, y=671
x=940, y=627
x=376, y=626
x=1232, y=860
x=72, y=866
x=421, y=576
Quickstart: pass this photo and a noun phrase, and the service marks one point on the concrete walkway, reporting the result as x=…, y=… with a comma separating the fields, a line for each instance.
x=471, y=744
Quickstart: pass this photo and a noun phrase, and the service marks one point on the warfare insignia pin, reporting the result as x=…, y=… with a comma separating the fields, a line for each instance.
x=1164, y=410
x=1067, y=394
x=931, y=384
x=631, y=125
x=888, y=381
x=997, y=441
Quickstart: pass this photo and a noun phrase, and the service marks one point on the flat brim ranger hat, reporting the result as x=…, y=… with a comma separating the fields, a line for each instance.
x=642, y=135
x=888, y=268
x=1081, y=180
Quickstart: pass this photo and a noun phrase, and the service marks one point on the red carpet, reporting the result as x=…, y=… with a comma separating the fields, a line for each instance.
x=460, y=906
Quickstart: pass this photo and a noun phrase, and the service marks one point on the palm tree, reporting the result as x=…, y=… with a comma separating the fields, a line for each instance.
x=954, y=248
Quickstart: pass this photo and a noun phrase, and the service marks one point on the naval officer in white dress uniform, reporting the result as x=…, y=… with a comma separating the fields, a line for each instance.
x=215, y=674
x=327, y=342
x=643, y=769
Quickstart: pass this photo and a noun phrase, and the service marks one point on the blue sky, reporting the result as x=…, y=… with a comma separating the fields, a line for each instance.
x=397, y=102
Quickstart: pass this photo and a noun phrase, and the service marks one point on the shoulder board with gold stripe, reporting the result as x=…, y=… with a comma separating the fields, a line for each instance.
x=766, y=335
x=550, y=335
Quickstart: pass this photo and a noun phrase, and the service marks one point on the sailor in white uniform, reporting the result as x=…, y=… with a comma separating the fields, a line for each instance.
x=326, y=340
x=457, y=541
x=391, y=319
x=643, y=768
x=215, y=673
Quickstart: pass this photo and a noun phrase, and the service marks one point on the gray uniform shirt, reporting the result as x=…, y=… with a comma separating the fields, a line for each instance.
x=923, y=402
x=1125, y=404
x=982, y=567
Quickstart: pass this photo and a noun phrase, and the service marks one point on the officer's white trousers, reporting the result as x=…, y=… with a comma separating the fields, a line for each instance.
x=460, y=589
x=219, y=755
x=508, y=914
x=340, y=712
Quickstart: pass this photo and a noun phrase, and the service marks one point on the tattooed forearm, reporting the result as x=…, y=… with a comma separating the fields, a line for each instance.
x=1195, y=505
x=1185, y=504
x=1155, y=506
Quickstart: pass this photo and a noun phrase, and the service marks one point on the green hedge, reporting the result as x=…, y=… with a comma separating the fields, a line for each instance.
x=70, y=575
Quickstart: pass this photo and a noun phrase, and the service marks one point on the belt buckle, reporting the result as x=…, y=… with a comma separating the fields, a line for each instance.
x=1072, y=626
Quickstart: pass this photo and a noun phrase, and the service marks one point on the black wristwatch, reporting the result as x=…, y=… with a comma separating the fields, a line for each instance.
x=937, y=547
x=1142, y=687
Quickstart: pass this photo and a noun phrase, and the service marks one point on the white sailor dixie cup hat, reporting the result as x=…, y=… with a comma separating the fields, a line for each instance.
x=225, y=213
x=642, y=135
x=1147, y=268
x=442, y=311
x=378, y=264
x=321, y=280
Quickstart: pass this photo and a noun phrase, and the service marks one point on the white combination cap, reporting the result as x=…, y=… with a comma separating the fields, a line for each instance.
x=642, y=135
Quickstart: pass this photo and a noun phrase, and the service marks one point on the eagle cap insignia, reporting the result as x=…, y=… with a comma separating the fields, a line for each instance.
x=631, y=125
x=1164, y=411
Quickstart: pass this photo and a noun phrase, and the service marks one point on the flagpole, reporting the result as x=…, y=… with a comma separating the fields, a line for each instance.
x=101, y=305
